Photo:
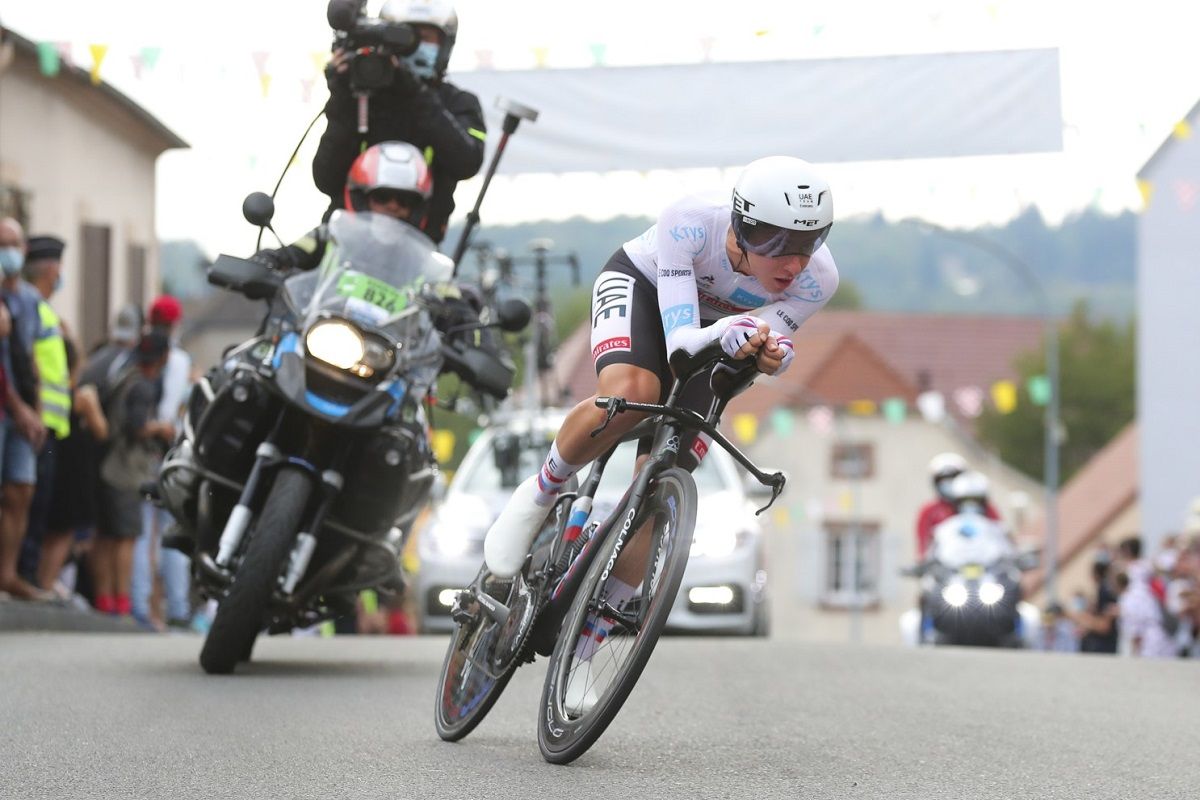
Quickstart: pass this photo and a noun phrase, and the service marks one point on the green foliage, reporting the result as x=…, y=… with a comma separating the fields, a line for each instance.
x=1097, y=378
x=847, y=297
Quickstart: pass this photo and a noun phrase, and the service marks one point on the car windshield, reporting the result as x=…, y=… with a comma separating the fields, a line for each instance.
x=486, y=477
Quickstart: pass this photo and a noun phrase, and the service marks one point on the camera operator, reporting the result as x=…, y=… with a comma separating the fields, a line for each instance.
x=409, y=102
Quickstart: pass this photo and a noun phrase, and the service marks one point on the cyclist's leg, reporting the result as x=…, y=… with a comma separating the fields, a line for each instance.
x=630, y=356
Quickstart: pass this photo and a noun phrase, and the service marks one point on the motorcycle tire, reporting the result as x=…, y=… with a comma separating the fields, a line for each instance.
x=242, y=613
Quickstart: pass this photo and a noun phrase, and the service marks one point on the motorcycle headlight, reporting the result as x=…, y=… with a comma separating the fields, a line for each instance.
x=955, y=595
x=335, y=342
x=990, y=593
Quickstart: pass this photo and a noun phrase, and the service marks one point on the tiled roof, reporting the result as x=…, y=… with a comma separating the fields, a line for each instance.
x=946, y=351
x=1105, y=486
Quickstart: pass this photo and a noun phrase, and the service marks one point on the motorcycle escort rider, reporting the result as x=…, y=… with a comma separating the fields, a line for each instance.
x=420, y=106
x=943, y=469
x=745, y=272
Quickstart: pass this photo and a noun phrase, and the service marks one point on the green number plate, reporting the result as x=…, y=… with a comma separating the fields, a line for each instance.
x=373, y=291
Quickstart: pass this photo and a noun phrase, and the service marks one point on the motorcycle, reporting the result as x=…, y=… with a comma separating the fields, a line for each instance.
x=305, y=456
x=971, y=588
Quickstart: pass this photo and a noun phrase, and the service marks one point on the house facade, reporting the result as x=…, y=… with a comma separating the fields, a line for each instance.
x=77, y=160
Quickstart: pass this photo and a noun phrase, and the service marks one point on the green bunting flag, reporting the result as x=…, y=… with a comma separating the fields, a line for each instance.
x=895, y=410
x=48, y=60
x=1039, y=390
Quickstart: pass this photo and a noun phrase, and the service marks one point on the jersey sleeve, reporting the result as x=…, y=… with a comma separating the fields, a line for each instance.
x=807, y=295
x=682, y=235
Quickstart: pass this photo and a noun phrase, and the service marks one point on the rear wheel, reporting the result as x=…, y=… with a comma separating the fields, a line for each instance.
x=243, y=612
x=483, y=654
x=585, y=690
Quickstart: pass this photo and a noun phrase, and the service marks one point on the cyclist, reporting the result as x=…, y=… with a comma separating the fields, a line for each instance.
x=746, y=274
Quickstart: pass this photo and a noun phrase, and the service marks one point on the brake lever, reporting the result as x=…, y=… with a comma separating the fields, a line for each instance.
x=612, y=406
x=776, y=481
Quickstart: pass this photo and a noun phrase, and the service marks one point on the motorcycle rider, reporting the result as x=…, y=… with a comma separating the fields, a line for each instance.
x=419, y=106
x=389, y=178
x=745, y=272
x=943, y=469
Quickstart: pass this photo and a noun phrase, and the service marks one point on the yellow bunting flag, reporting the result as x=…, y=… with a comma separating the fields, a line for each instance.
x=1147, y=189
x=1182, y=130
x=443, y=445
x=319, y=59
x=1004, y=395
x=99, y=51
x=745, y=427
x=781, y=517
x=862, y=408
x=265, y=82
x=845, y=501
x=539, y=56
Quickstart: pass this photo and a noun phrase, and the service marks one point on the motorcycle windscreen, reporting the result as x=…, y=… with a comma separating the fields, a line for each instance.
x=970, y=539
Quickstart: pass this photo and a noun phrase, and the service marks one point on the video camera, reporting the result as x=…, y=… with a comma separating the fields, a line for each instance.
x=371, y=42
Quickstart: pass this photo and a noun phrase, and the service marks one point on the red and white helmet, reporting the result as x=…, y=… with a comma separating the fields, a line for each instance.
x=398, y=166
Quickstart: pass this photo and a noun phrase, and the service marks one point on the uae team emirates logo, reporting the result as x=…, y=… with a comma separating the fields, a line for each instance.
x=609, y=345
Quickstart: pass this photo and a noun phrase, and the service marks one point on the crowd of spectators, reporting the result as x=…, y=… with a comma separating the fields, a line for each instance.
x=1141, y=604
x=81, y=432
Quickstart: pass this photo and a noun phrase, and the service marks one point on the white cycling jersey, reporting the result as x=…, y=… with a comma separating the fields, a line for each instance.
x=684, y=256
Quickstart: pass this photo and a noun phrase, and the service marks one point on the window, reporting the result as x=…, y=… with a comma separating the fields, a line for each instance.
x=852, y=460
x=852, y=558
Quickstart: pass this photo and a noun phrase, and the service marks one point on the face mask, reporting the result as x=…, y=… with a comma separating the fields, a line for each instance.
x=11, y=260
x=423, y=62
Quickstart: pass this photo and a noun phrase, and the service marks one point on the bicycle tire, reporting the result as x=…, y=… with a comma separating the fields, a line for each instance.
x=454, y=715
x=561, y=738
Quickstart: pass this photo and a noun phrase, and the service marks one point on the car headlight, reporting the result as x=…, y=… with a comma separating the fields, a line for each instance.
x=955, y=594
x=455, y=531
x=990, y=593
x=335, y=342
x=717, y=541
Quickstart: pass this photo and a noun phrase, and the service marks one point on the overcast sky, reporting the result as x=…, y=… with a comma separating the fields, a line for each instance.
x=1129, y=73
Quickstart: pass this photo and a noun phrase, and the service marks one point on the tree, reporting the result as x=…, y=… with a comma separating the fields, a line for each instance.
x=1097, y=380
x=847, y=297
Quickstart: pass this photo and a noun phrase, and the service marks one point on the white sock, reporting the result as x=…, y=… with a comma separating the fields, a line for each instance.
x=618, y=592
x=555, y=472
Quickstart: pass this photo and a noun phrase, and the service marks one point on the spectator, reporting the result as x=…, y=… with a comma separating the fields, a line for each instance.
x=1140, y=617
x=43, y=271
x=1097, y=618
x=75, y=478
x=149, y=556
x=23, y=431
x=137, y=440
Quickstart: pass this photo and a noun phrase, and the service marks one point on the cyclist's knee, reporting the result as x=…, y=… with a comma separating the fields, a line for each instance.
x=633, y=383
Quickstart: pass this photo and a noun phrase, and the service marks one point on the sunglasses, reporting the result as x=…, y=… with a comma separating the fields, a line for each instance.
x=769, y=240
x=385, y=196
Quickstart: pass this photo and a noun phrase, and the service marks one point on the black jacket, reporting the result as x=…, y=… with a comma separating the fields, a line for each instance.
x=441, y=116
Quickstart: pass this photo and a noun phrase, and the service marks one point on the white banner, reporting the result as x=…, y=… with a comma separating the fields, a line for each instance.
x=721, y=115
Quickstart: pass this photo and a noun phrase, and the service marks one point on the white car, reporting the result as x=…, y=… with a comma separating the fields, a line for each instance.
x=724, y=587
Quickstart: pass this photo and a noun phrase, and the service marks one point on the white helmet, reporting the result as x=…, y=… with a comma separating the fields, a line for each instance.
x=434, y=13
x=946, y=465
x=970, y=485
x=781, y=207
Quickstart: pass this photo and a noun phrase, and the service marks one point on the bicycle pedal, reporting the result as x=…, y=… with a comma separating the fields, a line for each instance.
x=459, y=611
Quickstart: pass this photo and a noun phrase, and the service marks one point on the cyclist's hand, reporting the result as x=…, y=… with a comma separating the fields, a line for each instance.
x=775, y=355
x=744, y=336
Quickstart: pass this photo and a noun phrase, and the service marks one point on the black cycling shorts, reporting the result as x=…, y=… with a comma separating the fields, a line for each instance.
x=627, y=329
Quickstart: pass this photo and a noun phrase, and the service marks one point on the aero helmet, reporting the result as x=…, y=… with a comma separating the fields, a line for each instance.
x=434, y=13
x=781, y=207
x=390, y=165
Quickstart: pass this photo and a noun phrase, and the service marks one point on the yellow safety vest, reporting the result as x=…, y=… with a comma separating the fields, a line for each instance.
x=50, y=354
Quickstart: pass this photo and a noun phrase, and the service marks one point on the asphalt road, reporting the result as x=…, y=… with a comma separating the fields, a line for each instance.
x=100, y=715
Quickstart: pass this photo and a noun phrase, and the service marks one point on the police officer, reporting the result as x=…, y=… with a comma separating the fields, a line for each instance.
x=43, y=271
x=420, y=107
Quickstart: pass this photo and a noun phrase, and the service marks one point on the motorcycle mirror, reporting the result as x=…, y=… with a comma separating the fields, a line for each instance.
x=513, y=314
x=258, y=208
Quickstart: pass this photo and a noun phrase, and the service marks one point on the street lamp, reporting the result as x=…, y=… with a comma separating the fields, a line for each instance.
x=1051, y=436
